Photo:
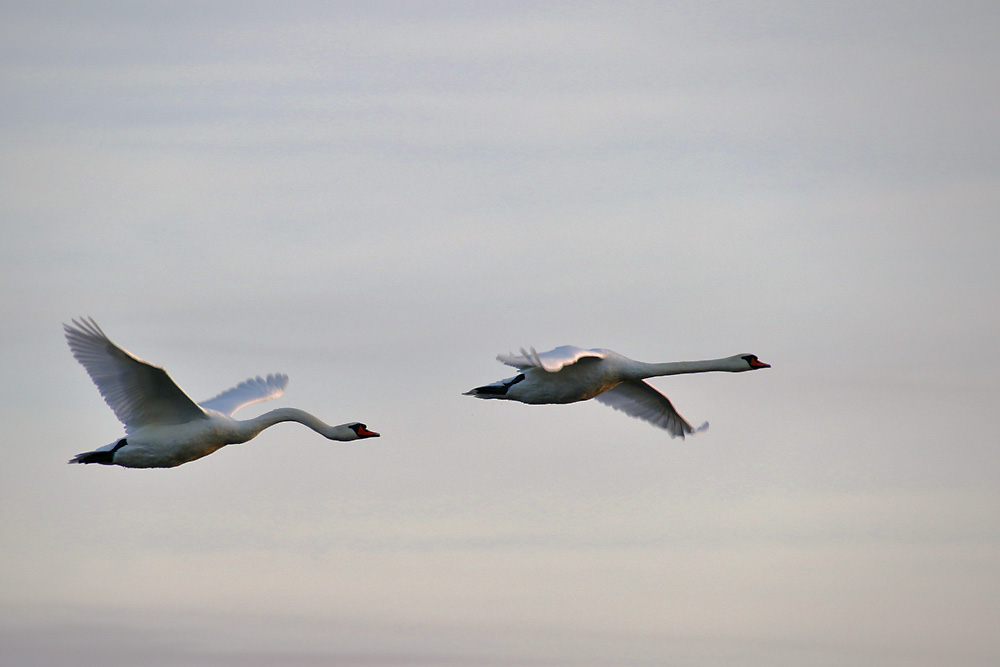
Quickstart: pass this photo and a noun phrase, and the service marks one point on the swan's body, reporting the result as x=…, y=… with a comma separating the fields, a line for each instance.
x=569, y=374
x=163, y=426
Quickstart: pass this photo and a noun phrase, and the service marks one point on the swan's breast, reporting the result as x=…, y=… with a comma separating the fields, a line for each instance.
x=166, y=446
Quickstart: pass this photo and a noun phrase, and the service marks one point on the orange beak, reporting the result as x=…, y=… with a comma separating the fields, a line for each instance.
x=757, y=363
x=365, y=433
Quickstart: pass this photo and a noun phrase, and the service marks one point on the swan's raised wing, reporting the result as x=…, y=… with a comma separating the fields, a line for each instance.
x=552, y=361
x=139, y=393
x=249, y=391
x=640, y=400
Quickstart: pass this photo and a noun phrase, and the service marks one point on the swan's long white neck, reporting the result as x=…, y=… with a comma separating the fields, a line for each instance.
x=646, y=370
x=251, y=427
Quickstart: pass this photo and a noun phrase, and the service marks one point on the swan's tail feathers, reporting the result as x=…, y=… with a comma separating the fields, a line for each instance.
x=495, y=390
x=105, y=455
x=703, y=427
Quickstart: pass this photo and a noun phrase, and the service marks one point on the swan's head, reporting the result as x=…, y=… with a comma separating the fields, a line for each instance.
x=750, y=362
x=361, y=431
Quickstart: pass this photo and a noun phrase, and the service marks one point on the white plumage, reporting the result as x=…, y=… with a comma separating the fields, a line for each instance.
x=568, y=374
x=163, y=426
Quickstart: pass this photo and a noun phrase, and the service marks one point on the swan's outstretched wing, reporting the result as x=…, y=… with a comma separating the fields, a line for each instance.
x=552, y=361
x=139, y=393
x=640, y=400
x=249, y=391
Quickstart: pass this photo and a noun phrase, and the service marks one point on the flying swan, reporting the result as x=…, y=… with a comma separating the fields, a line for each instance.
x=163, y=426
x=568, y=374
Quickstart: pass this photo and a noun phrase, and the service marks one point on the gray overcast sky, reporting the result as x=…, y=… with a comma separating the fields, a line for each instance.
x=377, y=198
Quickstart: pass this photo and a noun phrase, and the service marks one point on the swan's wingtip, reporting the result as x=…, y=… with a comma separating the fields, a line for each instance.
x=687, y=430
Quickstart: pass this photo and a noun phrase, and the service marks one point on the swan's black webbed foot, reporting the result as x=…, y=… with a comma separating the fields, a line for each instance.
x=106, y=457
x=497, y=389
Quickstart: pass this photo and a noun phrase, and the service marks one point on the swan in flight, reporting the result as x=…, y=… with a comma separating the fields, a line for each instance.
x=568, y=374
x=163, y=426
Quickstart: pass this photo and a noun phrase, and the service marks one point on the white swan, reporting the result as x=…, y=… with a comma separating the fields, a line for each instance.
x=568, y=374
x=163, y=426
